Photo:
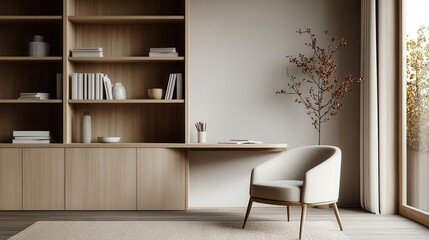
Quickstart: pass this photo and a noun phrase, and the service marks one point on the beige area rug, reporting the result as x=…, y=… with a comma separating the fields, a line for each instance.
x=175, y=230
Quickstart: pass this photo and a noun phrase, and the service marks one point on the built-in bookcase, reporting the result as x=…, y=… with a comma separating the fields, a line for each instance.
x=19, y=21
x=126, y=30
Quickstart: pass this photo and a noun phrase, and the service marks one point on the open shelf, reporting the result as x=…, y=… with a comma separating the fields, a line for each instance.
x=29, y=59
x=31, y=8
x=31, y=101
x=125, y=59
x=140, y=101
x=9, y=19
x=125, y=19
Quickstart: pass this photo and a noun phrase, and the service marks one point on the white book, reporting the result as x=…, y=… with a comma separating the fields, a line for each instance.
x=35, y=94
x=108, y=87
x=168, y=86
x=32, y=138
x=59, y=84
x=80, y=86
x=33, y=98
x=85, y=86
x=91, y=86
x=173, y=83
x=101, y=84
x=97, y=86
x=163, y=50
x=179, y=86
x=240, y=142
x=87, y=54
x=74, y=88
x=31, y=133
x=157, y=54
x=99, y=49
x=31, y=141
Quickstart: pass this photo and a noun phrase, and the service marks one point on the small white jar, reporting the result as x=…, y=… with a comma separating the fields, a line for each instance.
x=119, y=92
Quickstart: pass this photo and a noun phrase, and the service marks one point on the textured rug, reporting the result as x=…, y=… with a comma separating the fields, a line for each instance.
x=175, y=230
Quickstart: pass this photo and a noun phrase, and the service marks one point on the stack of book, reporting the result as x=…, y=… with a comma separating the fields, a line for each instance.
x=32, y=137
x=33, y=96
x=174, y=87
x=87, y=52
x=90, y=86
x=163, y=52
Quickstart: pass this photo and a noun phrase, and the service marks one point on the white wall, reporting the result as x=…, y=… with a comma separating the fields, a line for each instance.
x=238, y=60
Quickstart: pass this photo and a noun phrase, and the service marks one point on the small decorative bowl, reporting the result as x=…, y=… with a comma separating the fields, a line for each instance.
x=155, y=93
x=108, y=139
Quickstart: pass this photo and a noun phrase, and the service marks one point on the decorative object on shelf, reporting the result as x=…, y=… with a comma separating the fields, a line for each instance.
x=324, y=89
x=38, y=48
x=155, y=93
x=163, y=52
x=85, y=134
x=87, y=52
x=108, y=139
x=202, y=133
x=31, y=137
x=119, y=92
x=34, y=96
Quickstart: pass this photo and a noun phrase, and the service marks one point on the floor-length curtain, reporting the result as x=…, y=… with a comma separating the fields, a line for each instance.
x=379, y=101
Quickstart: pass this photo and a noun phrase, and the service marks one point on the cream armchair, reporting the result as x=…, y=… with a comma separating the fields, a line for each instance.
x=306, y=176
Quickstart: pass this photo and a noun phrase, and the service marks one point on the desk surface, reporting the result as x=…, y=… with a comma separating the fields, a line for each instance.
x=190, y=146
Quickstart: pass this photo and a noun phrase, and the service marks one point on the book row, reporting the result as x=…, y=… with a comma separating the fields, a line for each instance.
x=90, y=86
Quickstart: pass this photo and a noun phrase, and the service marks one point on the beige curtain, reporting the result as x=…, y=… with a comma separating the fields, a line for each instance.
x=379, y=106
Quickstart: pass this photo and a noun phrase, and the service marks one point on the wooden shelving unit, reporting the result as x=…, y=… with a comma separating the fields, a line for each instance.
x=126, y=32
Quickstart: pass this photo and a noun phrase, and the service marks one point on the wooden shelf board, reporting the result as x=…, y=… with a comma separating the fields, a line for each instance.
x=29, y=59
x=31, y=101
x=126, y=101
x=125, y=59
x=190, y=146
x=126, y=19
x=30, y=19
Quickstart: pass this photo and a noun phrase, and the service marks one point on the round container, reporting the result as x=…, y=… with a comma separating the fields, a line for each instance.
x=108, y=139
x=202, y=137
x=119, y=92
x=155, y=93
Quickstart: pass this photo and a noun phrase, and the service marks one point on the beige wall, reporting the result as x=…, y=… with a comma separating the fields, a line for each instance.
x=237, y=55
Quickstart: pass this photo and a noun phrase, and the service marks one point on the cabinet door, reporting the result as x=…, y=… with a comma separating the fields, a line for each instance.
x=161, y=179
x=101, y=179
x=43, y=179
x=10, y=179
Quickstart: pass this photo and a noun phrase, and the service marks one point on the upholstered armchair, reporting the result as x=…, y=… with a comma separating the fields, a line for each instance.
x=306, y=176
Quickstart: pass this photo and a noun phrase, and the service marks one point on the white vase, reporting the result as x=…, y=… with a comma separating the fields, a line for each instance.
x=119, y=91
x=38, y=48
x=85, y=127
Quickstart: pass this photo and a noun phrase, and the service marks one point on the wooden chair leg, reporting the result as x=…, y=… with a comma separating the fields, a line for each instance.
x=249, y=206
x=301, y=227
x=337, y=215
x=288, y=213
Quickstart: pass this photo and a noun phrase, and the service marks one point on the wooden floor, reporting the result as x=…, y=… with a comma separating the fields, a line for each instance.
x=357, y=223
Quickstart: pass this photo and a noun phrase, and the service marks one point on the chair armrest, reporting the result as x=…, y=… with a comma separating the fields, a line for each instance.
x=322, y=182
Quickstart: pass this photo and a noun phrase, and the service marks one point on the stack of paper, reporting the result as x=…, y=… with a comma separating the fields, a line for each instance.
x=163, y=52
x=33, y=96
x=32, y=137
x=87, y=52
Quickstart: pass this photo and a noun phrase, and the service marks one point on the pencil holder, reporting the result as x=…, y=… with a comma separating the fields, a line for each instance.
x=202, y=137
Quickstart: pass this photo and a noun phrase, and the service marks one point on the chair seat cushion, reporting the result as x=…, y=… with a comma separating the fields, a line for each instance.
x=280, y=190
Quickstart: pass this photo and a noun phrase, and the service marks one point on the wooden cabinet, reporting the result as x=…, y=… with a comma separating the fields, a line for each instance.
x=101, y=179
x=161, y=179
x=43, y=179
x=10, y=179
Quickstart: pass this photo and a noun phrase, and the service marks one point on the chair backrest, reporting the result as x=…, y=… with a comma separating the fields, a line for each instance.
x=296, y=163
